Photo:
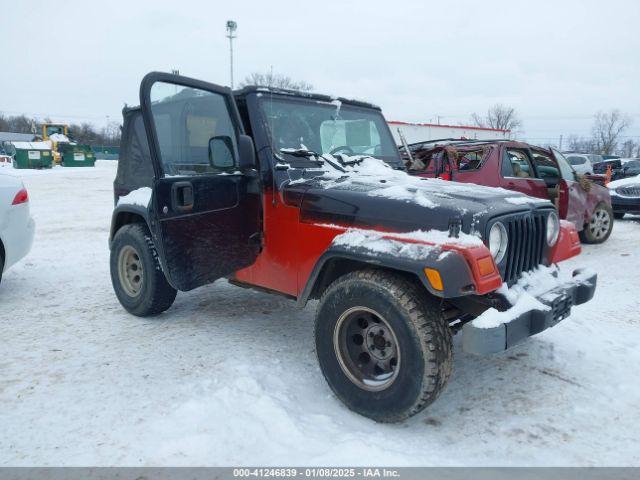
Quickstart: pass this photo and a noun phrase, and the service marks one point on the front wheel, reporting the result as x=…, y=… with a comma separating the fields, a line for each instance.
x=382, y=344
x=599, y=227
x=136, y=275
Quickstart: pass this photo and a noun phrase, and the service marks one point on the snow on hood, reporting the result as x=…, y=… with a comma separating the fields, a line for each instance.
x=140, y=196
x=387, y=182
x=624, y=182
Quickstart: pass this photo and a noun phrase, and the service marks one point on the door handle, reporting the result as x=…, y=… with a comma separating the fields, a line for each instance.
x=182, y=196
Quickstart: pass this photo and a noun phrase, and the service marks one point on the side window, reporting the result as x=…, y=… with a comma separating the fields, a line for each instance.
x=469, y=160
x=196, y=135
x=515, y=163
x=135, y=167
x=566, y=170
x=545, y=166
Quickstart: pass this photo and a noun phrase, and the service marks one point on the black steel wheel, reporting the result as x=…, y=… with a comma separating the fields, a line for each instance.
x=382, y=344
x=367, y=348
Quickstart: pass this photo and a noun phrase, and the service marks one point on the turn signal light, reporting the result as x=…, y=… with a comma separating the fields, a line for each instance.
x=21, y=197
x=485, y=266
x=434, y=278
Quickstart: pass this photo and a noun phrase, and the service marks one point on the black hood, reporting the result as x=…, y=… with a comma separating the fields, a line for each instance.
x=399, y=202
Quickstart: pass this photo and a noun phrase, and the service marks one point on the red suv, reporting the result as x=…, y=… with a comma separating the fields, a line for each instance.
x=535, y=171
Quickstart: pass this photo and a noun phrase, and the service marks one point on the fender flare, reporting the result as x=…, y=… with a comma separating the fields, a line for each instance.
x=457, y=276
x=121, y=211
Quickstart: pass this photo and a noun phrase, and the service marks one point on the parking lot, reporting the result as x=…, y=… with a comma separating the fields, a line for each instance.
x=229, y=376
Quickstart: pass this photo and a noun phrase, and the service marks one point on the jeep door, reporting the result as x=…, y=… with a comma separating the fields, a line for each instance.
x=205, y=204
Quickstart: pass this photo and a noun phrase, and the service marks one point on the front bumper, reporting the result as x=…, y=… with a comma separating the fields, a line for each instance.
x=483, y=341
x=622, y=204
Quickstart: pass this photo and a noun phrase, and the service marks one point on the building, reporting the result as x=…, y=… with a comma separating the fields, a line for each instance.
x=16, y=137
x=421, y=132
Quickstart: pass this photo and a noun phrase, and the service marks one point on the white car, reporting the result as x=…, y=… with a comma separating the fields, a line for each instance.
x=16, y=225
x=580, y=163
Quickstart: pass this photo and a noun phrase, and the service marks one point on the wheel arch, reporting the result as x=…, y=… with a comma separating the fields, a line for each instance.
x=338, y=260
x=126, y=215
x=333, y=266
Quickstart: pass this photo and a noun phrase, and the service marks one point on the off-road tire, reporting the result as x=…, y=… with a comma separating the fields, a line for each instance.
x=587, y=236
x=423, y=339
x=618, y=215
x=156, y=295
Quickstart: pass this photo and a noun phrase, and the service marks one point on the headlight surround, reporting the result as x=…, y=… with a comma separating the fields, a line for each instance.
x=498, y=241
x=553, y=228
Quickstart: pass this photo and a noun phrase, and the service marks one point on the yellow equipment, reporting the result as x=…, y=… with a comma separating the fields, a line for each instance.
x=49, y=129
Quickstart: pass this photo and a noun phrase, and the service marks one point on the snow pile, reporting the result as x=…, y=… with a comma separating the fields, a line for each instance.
x=32, y=145
x=523, y=296
x=60, y=138
x=140, y=196
x=415, y=245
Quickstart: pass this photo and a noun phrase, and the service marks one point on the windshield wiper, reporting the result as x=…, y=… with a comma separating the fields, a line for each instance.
x=313, y=156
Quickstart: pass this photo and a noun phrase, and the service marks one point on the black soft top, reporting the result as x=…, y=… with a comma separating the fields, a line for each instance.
x=243, y=92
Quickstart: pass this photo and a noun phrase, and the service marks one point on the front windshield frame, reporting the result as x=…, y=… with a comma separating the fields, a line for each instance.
x=390, y=156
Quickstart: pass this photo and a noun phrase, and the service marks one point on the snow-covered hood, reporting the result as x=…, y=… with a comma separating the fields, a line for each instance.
x=374, y=195
x=624, y=182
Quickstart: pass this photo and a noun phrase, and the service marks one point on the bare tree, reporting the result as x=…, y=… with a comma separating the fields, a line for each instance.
x=499, y=116
x=580, y=144
x=275, y=80
x=607, y=128
x=628, y=148
x=17, y=124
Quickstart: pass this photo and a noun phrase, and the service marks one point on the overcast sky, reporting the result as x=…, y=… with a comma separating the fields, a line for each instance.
x=556, y=62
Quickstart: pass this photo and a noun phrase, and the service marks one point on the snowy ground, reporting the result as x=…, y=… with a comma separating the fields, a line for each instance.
x=229, y=376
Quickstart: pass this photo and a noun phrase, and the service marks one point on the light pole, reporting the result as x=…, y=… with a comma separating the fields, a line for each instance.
x=231, y=28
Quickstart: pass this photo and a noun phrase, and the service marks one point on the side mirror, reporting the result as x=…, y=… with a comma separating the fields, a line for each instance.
x=247, y=153
x=221, y=151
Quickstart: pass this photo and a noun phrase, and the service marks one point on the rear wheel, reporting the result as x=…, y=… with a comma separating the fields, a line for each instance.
x=382, y=344
x=599, y=227
x=618, y=215
x=136, y=275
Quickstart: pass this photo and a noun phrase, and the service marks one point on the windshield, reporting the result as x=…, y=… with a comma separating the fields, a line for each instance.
x=328, y=128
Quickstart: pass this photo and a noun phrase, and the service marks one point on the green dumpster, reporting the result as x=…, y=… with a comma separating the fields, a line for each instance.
x=30, y=154
x=76, y=155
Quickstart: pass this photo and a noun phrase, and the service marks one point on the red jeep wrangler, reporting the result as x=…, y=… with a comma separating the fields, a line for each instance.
x=521, y=167
x=305, y=196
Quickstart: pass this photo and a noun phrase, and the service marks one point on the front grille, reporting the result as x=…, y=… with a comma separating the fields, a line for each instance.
x=527, y=234
x=633, y=191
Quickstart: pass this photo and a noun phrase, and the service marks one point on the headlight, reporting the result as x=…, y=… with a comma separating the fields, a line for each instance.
x=553, y=228
x=498, y=241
